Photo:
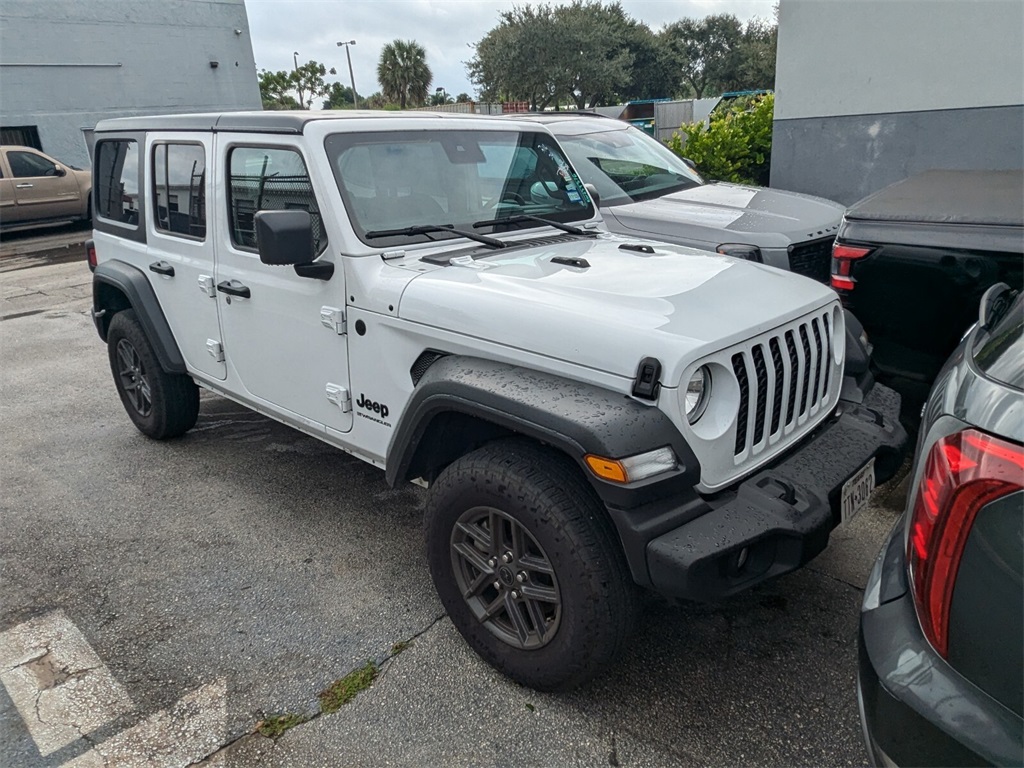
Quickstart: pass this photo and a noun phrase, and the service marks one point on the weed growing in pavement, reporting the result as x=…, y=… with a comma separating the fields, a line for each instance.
x=400, y=646
x=274, y=726
x=342, y=691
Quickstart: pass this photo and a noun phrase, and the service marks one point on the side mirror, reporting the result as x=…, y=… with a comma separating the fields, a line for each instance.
x=594, y=195
x=692, y=165
x=994, y=303
x=284, y=238
x=60, y=170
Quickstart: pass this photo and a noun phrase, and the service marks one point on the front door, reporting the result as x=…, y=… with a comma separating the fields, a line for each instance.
x=180, y=240
x=39, y=189
x=283, y=334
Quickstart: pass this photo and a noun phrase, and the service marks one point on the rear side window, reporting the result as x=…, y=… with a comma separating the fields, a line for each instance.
x=179, y=189
x=117, y=181
x=269, y=179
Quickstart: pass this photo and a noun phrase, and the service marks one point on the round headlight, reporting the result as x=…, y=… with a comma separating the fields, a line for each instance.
x=698, y=390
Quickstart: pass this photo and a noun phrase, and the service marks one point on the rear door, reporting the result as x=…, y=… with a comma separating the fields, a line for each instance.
x=41, y=192
x=180, y=238
x=283, y=336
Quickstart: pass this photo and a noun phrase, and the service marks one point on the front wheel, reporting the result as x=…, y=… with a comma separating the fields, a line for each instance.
x=526, y=563
x=160, y=404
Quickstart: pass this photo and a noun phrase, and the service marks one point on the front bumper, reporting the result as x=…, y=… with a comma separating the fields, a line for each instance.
x=915, y=708
x=773, y=522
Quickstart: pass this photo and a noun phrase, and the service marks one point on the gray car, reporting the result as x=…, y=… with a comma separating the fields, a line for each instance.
x=941, y=640
x=646, y=189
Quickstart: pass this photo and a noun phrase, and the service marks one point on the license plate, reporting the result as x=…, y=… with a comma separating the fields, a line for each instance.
x=856, y=492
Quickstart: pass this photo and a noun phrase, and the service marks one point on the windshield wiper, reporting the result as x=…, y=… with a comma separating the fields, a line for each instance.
x=426, y=229
x=522, y=218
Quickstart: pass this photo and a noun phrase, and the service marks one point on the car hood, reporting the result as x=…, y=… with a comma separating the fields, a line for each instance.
x=676, y=304
x=721, y=213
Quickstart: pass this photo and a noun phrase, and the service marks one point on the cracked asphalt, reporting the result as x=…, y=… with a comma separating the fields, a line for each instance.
x=248, y=553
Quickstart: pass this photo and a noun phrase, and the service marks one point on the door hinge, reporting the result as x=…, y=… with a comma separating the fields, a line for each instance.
x=333, y=318
x=216, y=350
x=339, y=395
x=206, y=286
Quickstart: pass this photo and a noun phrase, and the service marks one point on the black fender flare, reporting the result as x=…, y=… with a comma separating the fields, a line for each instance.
x=134, y=285
x=574, y=417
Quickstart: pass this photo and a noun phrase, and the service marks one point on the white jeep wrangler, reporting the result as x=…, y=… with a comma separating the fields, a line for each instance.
x=436, y=295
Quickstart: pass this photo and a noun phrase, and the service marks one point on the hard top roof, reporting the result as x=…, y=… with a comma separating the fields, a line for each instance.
x=573, y=123
x=284, y=121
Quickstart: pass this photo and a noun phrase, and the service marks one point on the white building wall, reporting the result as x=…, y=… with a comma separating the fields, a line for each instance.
x=871, y=91
x=66, y=64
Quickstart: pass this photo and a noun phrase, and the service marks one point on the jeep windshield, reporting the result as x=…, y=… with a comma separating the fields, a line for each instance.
x=403, y=187
x=626, y=165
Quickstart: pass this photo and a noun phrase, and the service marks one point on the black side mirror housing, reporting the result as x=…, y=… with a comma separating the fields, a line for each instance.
x=594, y=195
x=60, y=170
x=284, y=238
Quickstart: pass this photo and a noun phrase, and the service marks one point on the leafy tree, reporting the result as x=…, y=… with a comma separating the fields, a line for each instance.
x=403, y=73
x=757, y=55
x=463, y=98
x=581, y=54
x=339, y=97
x=737, y=144
x=275, y=90
x=705, y=52
x=308, y=80
x=440, y=97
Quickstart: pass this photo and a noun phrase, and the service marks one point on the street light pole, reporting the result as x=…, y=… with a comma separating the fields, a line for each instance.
x=352, y=77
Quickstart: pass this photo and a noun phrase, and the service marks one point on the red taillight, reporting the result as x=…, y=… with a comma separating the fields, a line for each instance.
x=843, y=257
x=963, y=472
x=90, y=254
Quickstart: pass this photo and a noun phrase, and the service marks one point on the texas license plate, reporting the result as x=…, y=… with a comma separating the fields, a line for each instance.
x=856, y=492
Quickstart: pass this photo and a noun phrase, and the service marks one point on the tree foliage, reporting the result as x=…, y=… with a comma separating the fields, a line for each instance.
x=295, y=89
x=403, y=73
x=737, y=144
x=339, y=97
x=275, y=90
x=589, y=53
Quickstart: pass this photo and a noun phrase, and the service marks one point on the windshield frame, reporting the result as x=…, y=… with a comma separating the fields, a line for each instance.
x=570, y=141
x=583, y=210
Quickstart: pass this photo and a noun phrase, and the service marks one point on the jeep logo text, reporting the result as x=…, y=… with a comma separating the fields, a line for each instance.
x=370, y=405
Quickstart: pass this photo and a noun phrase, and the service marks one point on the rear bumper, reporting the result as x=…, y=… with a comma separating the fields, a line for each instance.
x=773, y=522
x=915, y=708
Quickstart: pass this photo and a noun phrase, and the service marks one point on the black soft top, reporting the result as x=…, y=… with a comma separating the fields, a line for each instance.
x=992, y=198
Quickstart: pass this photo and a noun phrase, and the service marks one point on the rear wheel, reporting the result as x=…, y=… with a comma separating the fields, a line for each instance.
x=160, y=404
x=527, y=565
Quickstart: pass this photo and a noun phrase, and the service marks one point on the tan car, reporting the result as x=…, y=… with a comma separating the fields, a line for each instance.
x=36, y=189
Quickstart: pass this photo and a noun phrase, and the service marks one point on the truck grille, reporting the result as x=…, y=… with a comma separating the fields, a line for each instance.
x=793, y=366
x=812, y=259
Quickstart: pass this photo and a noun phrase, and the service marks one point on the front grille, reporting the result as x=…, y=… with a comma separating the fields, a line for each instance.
x=812, y=259
x=791, y=366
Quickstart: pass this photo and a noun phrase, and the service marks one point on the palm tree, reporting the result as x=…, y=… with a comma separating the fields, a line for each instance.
x=403, y=73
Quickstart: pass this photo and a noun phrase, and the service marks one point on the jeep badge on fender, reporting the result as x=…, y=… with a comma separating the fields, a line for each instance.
x=370, y=405
x=505, y=328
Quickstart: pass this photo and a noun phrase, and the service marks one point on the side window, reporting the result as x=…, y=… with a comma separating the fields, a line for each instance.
x=268, y=179
x=117, y=181
x=179, y=189
x=27, y=165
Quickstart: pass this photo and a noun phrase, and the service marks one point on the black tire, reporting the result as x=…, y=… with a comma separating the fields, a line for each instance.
x=162, y=405
x=561, y=523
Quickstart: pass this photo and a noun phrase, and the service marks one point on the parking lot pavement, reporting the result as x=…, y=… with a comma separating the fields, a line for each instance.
x=237, y=572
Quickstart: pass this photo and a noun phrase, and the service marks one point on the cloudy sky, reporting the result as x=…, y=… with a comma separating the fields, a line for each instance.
x=446, y=28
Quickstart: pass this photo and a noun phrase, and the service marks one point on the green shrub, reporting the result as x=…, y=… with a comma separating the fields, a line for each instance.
x=736, y=146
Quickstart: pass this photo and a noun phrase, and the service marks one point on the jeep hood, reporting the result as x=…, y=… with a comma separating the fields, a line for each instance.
x=676, y=304
x=729, y=213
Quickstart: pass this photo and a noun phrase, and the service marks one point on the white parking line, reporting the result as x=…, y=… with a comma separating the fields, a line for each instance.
x=61, y=688
x=63, y=691
x=179, y=736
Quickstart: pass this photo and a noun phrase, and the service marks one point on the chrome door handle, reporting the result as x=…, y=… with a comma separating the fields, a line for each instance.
x=23, y=186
